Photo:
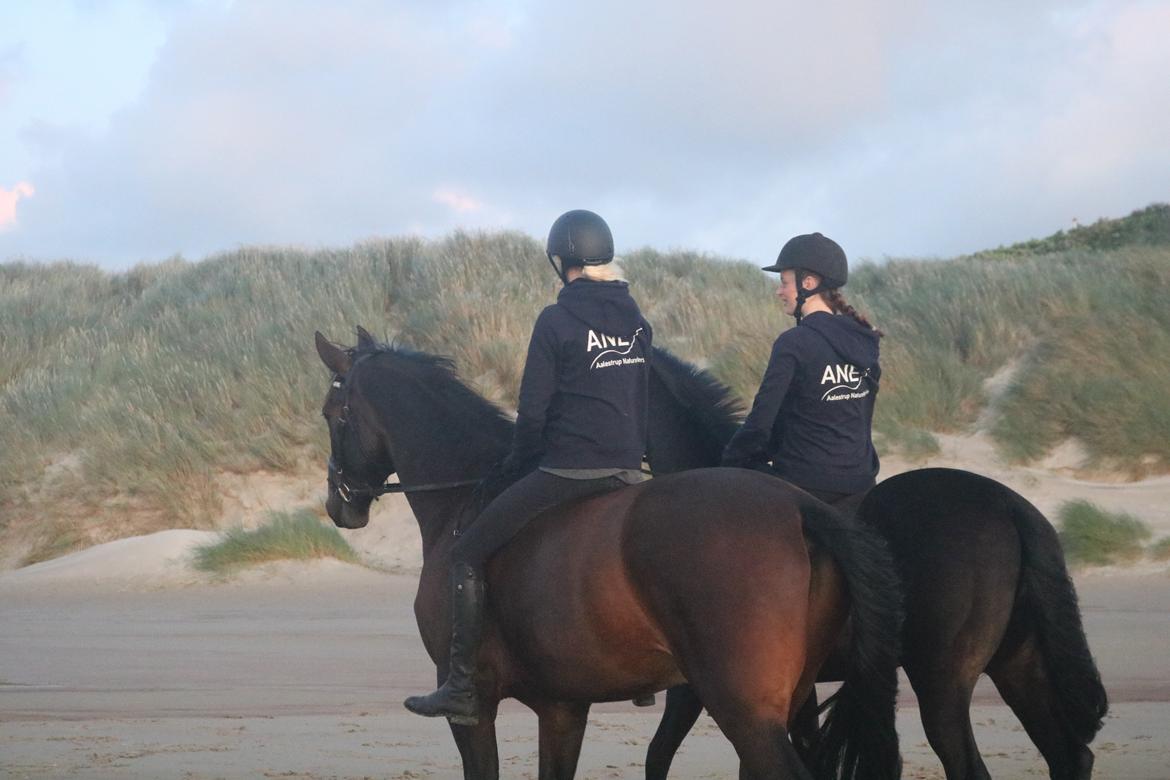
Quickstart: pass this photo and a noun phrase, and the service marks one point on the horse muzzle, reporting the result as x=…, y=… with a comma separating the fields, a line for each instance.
x=345, y=514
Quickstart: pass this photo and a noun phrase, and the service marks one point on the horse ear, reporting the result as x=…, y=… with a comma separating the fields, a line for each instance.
x=334, y=357
x=365, y=340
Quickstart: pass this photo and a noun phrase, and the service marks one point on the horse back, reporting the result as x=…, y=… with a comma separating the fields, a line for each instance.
x=593, y=597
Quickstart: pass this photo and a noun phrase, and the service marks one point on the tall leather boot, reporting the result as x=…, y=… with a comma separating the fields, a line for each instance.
x=456, y=699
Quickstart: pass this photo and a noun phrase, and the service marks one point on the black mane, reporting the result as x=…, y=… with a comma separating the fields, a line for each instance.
x=475, y=426
x=707, y=400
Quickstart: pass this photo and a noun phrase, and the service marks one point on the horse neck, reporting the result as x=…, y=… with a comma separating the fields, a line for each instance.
x=678, y=437
x=439, y=514
x=435, y=438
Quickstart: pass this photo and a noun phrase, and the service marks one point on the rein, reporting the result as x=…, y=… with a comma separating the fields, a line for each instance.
x=349, y=493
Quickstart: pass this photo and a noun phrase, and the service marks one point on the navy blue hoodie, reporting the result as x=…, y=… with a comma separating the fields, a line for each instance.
x=813, y=412
x=583, y=395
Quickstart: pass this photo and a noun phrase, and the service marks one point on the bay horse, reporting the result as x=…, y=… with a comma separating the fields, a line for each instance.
x=986, y=591
x=725, y=578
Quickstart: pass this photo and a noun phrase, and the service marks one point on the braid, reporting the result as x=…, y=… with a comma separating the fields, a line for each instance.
x=839, y=305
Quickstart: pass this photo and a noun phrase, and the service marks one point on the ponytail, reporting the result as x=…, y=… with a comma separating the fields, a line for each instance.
x=610, y=272
x=839, y=305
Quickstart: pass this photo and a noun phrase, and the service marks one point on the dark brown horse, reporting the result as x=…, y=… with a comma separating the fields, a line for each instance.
x=721, y=577
x=986, y=588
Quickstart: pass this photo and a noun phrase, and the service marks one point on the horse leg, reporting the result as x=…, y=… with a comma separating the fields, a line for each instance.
x=1022, y=680
x=562, y=727
x=755, y=724
x=804, y=728
x=678, y=718
x=477, y=744
x=763, y=748
x=477, y=748
x=944, y=702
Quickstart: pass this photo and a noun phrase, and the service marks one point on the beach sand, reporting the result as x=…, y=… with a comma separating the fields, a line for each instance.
x=121, y=661
x=294, y=670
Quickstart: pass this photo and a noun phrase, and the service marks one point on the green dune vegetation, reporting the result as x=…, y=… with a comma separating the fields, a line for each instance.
x=1094, y=537
x=127, y=396
x=296, y=535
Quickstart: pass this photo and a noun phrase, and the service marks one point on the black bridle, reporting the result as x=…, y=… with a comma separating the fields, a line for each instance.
x=349, y=490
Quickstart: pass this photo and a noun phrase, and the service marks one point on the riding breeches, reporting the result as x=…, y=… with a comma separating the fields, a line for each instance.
x=846, y=503
x=515, y=507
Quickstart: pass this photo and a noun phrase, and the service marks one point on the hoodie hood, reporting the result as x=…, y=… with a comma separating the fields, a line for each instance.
x=606, y=307
x=852, y=340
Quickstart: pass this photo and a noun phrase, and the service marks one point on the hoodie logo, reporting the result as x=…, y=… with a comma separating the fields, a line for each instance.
x=614, y=350
x=845, y=380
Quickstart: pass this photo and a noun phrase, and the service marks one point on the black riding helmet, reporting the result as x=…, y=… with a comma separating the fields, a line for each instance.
x=579, y=237
x=812, y=253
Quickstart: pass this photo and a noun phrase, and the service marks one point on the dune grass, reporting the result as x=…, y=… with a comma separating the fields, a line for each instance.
x=1160, y=550
x=1092, y=536
x=1145, y=227
x=154, y=382
x=911, y=443
x=298, y=535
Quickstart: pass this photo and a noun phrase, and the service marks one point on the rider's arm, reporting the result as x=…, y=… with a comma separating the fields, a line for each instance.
x=749, y=446
x=536, y=391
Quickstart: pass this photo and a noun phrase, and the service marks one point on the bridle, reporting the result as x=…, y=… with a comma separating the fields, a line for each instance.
x=348, y=490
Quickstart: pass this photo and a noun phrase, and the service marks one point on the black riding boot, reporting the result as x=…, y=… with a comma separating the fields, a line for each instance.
x=456, y=699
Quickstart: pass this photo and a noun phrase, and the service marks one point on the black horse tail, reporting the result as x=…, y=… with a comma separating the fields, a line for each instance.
x=858, y=737
x=1047, y=595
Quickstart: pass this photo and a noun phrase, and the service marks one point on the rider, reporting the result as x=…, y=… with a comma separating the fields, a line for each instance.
x=813, y=413
x=581, y=424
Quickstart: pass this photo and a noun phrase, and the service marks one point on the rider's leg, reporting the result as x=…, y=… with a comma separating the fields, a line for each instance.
x=456, y=698
x=845, y=503
x=496, y=525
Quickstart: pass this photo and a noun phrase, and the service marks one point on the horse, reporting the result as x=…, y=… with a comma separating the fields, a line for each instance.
x=720, y=577
x=986, y=591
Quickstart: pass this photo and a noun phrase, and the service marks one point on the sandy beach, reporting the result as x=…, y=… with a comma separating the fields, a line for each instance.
x=121, y=661
x=298, y=671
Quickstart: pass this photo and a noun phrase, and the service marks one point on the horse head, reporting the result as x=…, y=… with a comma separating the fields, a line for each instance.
x=359, y=456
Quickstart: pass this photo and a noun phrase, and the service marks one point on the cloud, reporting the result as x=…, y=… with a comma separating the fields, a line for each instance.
x=917, y=128
x=457, y=200
x=8, y=200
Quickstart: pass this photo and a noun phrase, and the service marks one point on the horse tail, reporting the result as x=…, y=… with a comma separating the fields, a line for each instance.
x=1050, y=602
x=858, y=737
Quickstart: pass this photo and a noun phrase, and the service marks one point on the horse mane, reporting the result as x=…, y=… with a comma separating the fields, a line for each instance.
x=472, y=417
x=708, y=401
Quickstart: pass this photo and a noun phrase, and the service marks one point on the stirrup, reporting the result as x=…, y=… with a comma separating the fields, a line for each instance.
x=645, y=700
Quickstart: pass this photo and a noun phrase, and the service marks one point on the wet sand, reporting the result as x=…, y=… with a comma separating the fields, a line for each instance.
x=298, y=671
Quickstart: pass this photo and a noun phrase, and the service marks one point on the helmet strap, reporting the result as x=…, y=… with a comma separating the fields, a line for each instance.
x=560, y=271
x=803, y=295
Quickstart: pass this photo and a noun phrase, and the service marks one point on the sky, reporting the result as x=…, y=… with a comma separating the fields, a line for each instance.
x=135, y=130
